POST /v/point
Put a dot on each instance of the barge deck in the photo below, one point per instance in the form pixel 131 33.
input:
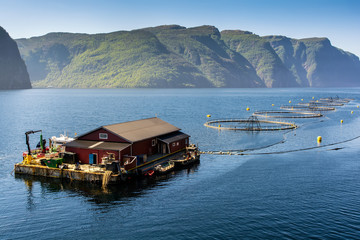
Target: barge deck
pixel 93 173
pixel 71 174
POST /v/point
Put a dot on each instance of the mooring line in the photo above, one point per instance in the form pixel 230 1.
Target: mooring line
pixel 280 152
pixel 253 149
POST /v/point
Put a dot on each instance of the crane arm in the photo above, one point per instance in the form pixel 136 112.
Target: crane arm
pixel 27 139
pixel 31 132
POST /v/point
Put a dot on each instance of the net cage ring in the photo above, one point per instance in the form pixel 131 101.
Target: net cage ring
pixel 336 100
pixel 250 124
pixel 307 108
pixel 287 114
pixel 322 103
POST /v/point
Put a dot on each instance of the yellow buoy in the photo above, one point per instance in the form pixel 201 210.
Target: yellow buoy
pixel 247 109
pixel 341 121
pixel 352 112
pixel 272 105
pixel 317 100
pixel 313 97
pixel 302 99
pixel 357 106
pixel 208 115
pixel 319 138
pixel 289 101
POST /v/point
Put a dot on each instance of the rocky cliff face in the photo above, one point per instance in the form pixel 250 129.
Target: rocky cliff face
pixel 262 56
pixel 284 62
pixel 316 63
pixel 13 72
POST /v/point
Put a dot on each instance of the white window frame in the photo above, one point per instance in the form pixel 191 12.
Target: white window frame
pixel 153 142
pixel 103 136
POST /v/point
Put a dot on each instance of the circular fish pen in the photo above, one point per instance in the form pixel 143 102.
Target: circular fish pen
pixel 250 124
pixel 286 114
pixel 321 103
pixel 336 99
pixel 307 108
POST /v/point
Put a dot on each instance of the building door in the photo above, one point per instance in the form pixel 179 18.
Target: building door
pixel 92 158
pixel 163 148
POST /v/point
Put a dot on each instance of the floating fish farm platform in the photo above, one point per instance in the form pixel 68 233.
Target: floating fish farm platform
pixel 111 153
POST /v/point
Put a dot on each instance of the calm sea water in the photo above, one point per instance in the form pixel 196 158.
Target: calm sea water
pixel 266 194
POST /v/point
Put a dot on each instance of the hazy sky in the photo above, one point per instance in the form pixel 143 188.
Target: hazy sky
pixel 339 20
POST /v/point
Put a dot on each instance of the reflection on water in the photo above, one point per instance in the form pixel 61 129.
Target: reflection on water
pixel 29 185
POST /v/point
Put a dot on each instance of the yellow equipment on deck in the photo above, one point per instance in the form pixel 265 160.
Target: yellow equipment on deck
pixel 28 159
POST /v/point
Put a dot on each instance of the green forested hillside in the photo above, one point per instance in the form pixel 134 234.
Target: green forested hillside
pixel 204 49
pixel 121 59
pixel 175 56
pixel 157 57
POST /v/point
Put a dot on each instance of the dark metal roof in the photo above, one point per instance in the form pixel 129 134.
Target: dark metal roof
pixel 142 129
pixel 173 137
pixel 97 145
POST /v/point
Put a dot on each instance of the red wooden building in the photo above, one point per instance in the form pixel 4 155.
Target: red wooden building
pixel 140 138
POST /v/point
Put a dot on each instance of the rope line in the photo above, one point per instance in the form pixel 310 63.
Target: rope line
pixel 240 152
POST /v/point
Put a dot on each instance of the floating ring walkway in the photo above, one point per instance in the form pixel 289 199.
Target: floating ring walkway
pixel 286 114
pixel 250 124
pixel 337 100
pixel 307 108
pixel 322 103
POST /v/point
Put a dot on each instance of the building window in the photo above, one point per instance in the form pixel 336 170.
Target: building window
pixel 173 144
pixel 185 141
pixel 177 143
pixel 153 142
pixel 103 136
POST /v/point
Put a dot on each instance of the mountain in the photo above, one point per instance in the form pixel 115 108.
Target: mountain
pixel 175 56
pixel 262 56
pixel 13 73
pixel 204 49
pixel 157 57
pixel 316 63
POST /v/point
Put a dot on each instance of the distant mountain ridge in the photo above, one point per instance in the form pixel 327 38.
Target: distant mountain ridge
pixel 316 63
pixel 173 56
pixel 262 56
pixel 13 73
